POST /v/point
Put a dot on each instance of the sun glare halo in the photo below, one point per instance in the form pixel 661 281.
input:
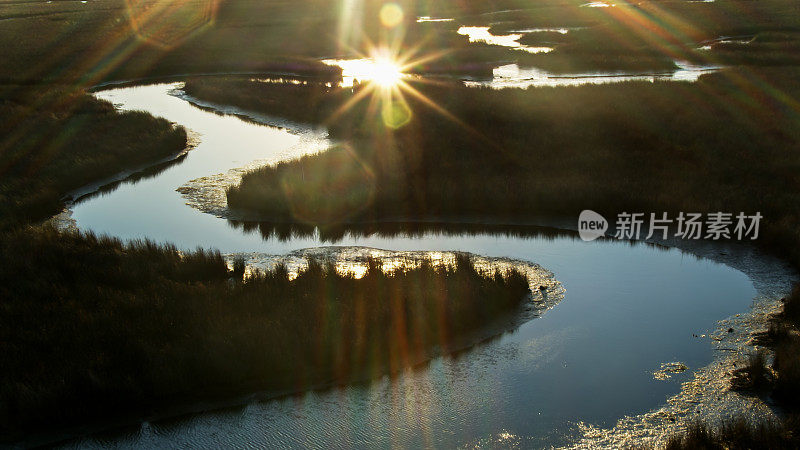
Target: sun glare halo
pixel 381 70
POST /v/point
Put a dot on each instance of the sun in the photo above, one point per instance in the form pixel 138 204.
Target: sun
pixel 382 77
pixel 385 72
pixel 379 69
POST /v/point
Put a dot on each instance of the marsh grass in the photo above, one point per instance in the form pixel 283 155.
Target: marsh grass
pixel 787 348
pixel 335 233
pixel 791 307
pixel 97 42
pixel 735 434
pixel 755 376
pixel 54 140
pixel 239 267
pixel 106 327
pixel 777 332
pixel 787 366
pixel 715 145
pixel 92 326
pixel 782 381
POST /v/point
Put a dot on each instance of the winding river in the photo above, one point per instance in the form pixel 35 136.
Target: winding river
pixel 591 361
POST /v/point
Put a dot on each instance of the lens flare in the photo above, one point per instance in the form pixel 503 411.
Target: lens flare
pixel 386 72
pixel 391 15
pixel 381 70
pixel 167 23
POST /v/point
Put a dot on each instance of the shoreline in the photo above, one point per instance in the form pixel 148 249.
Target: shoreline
pixel 707 394
pixel 63 220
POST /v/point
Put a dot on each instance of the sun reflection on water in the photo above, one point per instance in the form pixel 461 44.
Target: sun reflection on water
pixel 380 78
pixel 379 69
pixel 546 290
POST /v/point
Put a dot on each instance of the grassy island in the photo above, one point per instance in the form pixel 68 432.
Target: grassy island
pixel 107 328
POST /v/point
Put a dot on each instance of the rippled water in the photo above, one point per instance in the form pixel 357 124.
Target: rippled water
pixel 629 315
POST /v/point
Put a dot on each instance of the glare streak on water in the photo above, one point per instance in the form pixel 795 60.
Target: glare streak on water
pixel 513 76
pixel 381 71
pixel 482 34
pixel 544 30
pixel 423 19
pixel 627 310
pixel 740 40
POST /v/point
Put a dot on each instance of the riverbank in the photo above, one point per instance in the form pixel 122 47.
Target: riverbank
pixel 771 371
pixel 708 398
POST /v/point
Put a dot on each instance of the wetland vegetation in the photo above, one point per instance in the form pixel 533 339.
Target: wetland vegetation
pixel 106 40
pixel 54 141
pixel 91 327
pixel 94 328
pixel 737 434
pixel 709 146
pixel 107 328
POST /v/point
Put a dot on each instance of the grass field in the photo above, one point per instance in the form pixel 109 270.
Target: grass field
pixel 70 41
